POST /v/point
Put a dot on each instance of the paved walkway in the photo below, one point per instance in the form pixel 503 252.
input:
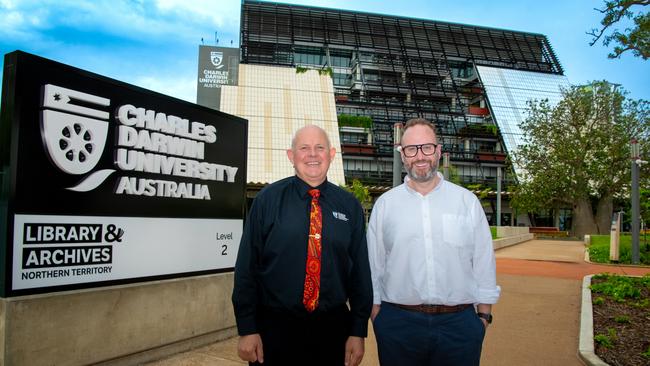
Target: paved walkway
pixel 536 321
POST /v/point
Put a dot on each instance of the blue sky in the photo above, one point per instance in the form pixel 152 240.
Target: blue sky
pixel 154 44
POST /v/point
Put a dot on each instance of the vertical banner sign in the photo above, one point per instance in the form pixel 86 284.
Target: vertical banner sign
pixel 106 183
pixel 218 66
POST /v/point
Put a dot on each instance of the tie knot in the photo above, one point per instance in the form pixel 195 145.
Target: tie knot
pixel 315 193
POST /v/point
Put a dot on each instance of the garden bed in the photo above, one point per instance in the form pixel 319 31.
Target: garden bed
pixel 621 317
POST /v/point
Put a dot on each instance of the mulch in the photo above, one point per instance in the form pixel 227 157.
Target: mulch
pixel 631 338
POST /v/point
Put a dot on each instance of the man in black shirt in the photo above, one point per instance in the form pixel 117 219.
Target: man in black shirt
pixel 295 274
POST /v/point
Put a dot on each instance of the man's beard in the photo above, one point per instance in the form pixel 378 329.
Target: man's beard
pixel 427 177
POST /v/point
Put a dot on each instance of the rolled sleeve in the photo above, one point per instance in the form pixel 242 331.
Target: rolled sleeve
pixel 484 260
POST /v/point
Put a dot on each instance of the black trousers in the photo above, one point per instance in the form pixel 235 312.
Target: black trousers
pixel 304 339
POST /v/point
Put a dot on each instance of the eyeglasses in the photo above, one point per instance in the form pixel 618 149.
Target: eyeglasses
pixel 412 150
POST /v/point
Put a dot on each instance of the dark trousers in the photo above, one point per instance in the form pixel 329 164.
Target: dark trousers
pixel 304 339
pixel 410 338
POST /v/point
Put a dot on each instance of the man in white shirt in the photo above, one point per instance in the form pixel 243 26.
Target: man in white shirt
pixel 432 263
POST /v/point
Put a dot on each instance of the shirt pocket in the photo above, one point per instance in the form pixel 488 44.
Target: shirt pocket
pixel 456 230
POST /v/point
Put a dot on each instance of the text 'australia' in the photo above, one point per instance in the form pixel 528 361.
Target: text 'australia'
pixel 156 143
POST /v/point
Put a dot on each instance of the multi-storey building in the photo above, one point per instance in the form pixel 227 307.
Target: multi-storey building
pixel 472 81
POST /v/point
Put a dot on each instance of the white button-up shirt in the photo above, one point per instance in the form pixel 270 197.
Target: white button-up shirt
pixel 431 249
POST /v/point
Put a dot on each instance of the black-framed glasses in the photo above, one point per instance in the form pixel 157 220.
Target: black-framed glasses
pixel 412 150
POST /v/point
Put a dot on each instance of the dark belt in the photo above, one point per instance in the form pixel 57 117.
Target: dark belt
pixel 433 309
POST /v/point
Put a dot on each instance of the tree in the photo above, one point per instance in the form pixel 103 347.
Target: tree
pixel 360 192
pixel 636 39
pixel 576 154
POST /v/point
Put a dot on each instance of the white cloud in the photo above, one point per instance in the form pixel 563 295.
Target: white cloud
pixel 181 87
pixel 219 13
pixel 165 21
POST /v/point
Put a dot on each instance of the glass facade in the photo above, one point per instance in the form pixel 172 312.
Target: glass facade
pixel 508 92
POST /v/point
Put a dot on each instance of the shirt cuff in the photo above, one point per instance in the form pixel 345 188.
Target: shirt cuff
pixel 359 328
pixel 246 325
pixel 489 296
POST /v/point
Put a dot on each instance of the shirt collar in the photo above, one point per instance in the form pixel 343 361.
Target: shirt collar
pixel 413 191
pixel 303 188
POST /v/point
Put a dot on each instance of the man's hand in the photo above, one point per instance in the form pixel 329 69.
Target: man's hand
pixel 374 312
pixel 354 351
pixel 250 348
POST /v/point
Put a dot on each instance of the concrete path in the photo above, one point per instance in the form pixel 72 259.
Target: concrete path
pixel 536 321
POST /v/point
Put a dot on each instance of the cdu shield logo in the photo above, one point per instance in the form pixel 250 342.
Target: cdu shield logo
pixel 216 57
pixel 74 133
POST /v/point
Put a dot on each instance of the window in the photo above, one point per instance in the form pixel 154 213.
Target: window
pixel 309 56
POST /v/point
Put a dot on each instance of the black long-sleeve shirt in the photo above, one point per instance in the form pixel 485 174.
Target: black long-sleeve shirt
pixel 270 267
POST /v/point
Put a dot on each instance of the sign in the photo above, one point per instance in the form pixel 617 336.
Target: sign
pixel 109 183
pixel 218 66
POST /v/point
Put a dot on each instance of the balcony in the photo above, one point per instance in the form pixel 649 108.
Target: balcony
pixel 495 157
pixel 371 178
pixel 479 130
pixel 478 111
pixel 357 149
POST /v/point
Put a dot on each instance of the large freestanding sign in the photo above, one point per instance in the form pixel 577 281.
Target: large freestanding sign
pixel 105 183
pixel 218 66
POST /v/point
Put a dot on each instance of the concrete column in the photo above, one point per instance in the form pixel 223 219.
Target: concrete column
pixel 397 159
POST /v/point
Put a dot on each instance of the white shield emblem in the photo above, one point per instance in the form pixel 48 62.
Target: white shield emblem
pixel 74 143
pixel 216 57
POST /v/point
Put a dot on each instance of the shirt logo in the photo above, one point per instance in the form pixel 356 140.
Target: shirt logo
pixel 340 216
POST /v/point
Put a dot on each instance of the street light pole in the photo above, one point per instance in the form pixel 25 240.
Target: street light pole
pixel 634 155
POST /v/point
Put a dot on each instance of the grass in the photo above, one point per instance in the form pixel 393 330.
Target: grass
pixel 599 249
pixel 493 230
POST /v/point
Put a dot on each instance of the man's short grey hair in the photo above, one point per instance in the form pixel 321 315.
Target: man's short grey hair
pixel 295 135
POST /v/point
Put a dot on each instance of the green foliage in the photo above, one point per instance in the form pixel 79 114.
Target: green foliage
pixel 619 288
pixel 326 71
pixel 482 128
pixel 603 340
pixel 360 192
pixel 611 334
pixel 454 176
pixel 622 319
pixel 493 231
pixel 598 301
pixel 323 71
pixel 646 353
pixel 635 39
pixel 644 200
pixel 599 250
pixel 577 152
pixel 354 121
pixel 480 190
pixel 644 303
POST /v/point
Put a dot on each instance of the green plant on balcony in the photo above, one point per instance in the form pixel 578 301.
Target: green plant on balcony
pixel 322 71
pixel 326 71
pixel 346 120
pixel 480 129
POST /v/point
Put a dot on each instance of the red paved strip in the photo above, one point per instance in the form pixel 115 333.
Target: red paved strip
pixel 566 270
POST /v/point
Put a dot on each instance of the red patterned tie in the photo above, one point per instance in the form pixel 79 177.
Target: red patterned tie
pixel 312 277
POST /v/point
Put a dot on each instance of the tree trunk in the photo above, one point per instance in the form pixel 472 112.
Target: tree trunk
pixel 604 211
pixel 583 219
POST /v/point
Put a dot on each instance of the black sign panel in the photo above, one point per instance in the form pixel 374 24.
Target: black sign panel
pixel 83 154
